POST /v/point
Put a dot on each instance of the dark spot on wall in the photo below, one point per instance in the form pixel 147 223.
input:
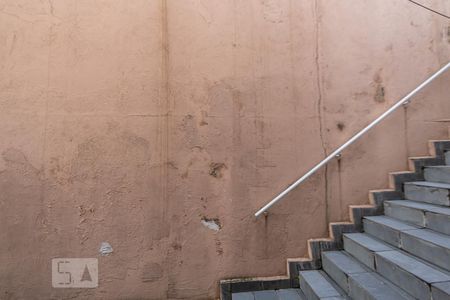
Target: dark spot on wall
pixel 340 126
pixel 380 94
pixel 215 169
pixel 448 34
pixel 380 91
pixel 176 246
pixel 219 249
pixel 204 201
pixel 204 116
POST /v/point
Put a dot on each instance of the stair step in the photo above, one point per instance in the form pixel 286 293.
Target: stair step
pixel 373 286
pixel 363 247
pixel 409 273
pixel 430 192
pixel 426 244
pixel 437 174
pixel 290 294
pixel 440 291
pixel 317 285
pixel 431 216
pixel 284 294
pixel 339 266
pixel 386 229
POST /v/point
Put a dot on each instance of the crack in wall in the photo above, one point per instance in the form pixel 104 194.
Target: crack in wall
pixel 320 100
pixel 164 120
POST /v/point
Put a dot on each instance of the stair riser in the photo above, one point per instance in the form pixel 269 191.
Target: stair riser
pixel 431 220
pixel 403 279
pixel 431 195
pixel 307 291
pixel 316 287
pixel 437 222
pixel 335 273
pixel 437 175
pixel 383 233
pixel 357 291
pixel 406 214
pixel 362 254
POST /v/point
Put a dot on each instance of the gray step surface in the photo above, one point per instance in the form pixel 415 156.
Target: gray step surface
pixel 440 291
pixel 405 271
pixel 363 247
pixel 429 192
pixel 372 286
pixel 409 273
pixel 426 244
pixel 317 285
pixel 386 229
pixel 339 265
pixel 285 294
pixel 437 174
pixel 427 215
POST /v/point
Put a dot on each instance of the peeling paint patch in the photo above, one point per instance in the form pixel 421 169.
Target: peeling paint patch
pixel 105 249
pixel 213 224
pixel 215 169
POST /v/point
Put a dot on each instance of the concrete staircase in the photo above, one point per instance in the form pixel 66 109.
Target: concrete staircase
pixel 402 252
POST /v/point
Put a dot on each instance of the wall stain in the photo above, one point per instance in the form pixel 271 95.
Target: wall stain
pixel 380 91
pixel 151 272
pixel 215 169
pixel 448 34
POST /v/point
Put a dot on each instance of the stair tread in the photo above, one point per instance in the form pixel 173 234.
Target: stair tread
pixel 393 223
pixel 438 167
pixel 378 287
pixel 431 236
pixel 412 265
pixel 369 242
pixel 422 206
pixel 283 294
pixel 345 262
pixel 243 296
pixel 321 284
pixel 431 184
pixel 290 294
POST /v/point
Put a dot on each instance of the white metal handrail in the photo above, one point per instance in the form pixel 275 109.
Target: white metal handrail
pixel 338 151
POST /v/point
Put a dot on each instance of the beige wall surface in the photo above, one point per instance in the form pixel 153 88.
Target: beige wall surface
pixel 160 127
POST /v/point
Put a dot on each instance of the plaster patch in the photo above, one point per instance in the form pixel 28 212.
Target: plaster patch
pixel 105 248
pixel 213 224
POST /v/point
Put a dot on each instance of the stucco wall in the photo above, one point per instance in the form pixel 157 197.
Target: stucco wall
pixel 140 122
